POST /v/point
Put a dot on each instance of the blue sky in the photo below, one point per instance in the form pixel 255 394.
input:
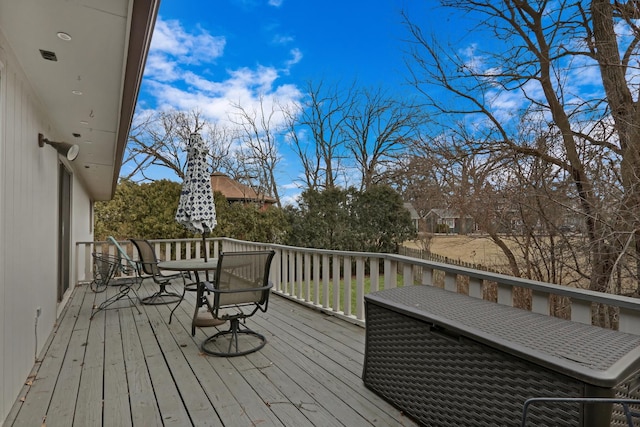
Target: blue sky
pixel 206 54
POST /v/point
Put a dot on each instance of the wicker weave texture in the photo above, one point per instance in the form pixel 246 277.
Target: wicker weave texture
pixel 535 337
pixel 442 381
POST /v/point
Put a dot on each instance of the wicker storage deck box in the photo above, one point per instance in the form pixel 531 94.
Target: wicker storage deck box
pixel 448 359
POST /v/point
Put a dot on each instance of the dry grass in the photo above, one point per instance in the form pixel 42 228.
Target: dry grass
pixel 472 249
pixel 482 250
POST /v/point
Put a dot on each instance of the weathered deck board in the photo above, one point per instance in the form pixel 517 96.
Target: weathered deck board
pixel 122 368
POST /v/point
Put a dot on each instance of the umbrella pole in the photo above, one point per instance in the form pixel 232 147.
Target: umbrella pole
pixel 204 245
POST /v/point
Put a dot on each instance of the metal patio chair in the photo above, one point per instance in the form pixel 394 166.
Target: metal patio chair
pixel 241 289
pixel 628 413
pixel 148 263
pixel 106 267
pixel 128 268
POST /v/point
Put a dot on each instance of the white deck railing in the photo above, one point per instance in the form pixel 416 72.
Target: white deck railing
pixel 315 278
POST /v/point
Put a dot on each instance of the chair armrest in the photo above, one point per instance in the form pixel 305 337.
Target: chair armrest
pixel 237 291
pixel 209 286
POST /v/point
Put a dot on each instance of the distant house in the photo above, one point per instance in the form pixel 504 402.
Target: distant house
pixel 415 217
pixel 446 221
pixel 236 192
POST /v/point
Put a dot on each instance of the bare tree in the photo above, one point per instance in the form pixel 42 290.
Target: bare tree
pixel 541 48
pixel 317 133
pixel 258 153
pixel 160 139
pixel 219 139
pixel 377 131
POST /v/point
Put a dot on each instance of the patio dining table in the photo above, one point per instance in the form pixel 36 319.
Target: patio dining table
pixel 195 266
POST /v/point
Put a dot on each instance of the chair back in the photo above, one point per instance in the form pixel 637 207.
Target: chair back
pixel 243 278
pixel 122 254
pixel 127 265
pixel 148 260
pixel 105 266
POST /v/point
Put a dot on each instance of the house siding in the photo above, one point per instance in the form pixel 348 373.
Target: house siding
pixel 28 228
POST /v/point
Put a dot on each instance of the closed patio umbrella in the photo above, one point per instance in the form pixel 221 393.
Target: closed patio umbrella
pixel 196 208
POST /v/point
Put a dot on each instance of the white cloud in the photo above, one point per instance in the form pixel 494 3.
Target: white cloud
pixel 172 45
pixel 282 39
pixel 296 56
pixel 276 3
pixel 214 99
pixel 159 67
pixel 176 81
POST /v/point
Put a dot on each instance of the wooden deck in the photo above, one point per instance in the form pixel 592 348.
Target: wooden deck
pixel 123 368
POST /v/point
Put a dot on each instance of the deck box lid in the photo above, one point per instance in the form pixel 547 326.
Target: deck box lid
pixel 594 355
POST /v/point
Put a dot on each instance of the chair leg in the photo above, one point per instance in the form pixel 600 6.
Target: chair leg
pixel 233 333
pixel 123 292
pixel 162 297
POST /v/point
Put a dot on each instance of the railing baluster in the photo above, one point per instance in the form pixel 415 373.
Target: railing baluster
pixel 540 302
pixel 286 270
pixel 325 281
pixel 360 263
pixel 316 279
pixel 307 277
pixel 390 274
pixel 427 276
pixel 374 267
pixel 475 287
pixel 276 268
pixel 450 282
pixel 307 274
pixel 407 274
pixel 347 286
pixel 336 283
pixel 299 277
pixel 581 311
pixel 505 294
pixel 628 321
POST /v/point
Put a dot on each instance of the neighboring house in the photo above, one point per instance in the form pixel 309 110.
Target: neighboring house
pixel 71 71
pixel 236 192
pixel 415 218
pixel 440 219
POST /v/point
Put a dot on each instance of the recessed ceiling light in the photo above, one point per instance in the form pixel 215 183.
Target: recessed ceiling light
pixel 63 36
pixel 76 92
pixel 84 122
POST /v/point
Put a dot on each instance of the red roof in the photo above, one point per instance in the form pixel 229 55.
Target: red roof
pixel 233 190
